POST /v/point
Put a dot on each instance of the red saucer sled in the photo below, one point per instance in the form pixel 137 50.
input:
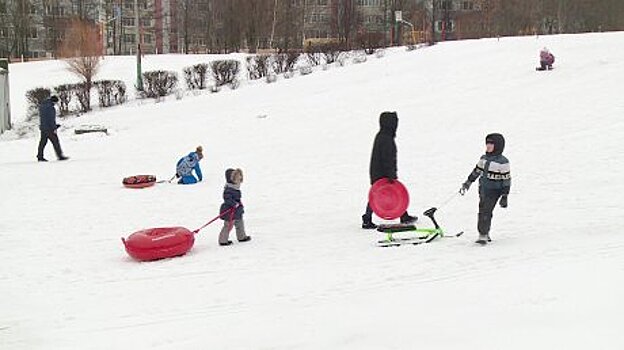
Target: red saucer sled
pixel 164 242
pixel 139 181
pixel 389 200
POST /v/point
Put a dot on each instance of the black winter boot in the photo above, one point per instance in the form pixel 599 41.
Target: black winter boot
pixel 367 223
pixel 408 219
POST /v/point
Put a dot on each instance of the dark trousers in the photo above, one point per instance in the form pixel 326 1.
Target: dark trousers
pixel 53 137
pixel 544 66
pixel 487 202
pixel 368 215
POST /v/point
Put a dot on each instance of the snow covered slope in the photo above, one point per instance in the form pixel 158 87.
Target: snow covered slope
pixel 311 279
pixel 49 74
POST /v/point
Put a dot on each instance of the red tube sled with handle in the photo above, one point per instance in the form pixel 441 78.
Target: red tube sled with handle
pixel 159 243
pixel 139 181
pixel 165 242
pixel 388 199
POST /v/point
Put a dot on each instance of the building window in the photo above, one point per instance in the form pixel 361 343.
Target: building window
pixel 129 38
pixel 445 5
pixel 55 10
pixel 3 7
pixel 146 22
pixel 147 38
pixel 322 2
pixel 33 33
pixel 3 32
pixel 467 5
pixel 129 4
pixel 449 27
pixel 128 21
pixel 369 3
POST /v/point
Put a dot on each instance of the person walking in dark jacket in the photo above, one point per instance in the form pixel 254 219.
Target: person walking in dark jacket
pixel 48 127
pixel 383 162
pixel 494 174
pixel 232 202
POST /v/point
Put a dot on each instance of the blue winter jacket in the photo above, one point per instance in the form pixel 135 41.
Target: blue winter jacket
pixel 232 197
pixel 47 116
pixel 186 165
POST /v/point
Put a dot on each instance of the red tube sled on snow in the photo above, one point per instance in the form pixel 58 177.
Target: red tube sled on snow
pixel 139 181
pixel 165 242
pixel 159 243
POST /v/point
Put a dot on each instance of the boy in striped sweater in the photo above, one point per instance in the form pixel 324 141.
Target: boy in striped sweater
pixel 494 174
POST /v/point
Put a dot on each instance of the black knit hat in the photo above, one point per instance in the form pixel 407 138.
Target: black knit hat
pixel 54 99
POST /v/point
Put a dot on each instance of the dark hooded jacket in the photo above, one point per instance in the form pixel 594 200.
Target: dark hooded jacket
pixel 231 197
pixel 493 169
pixel 384 156
pixel 47 116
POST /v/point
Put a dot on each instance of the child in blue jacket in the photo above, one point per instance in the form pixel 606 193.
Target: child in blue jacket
pixel 232 201
pixel 188 164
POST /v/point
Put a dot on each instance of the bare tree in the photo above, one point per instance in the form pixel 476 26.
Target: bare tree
pixel 289 25
pixel 82 51
pixel 258 24
pixel 345 20
pixel 19 28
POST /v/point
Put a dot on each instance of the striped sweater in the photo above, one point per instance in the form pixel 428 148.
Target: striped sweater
pixel 494 174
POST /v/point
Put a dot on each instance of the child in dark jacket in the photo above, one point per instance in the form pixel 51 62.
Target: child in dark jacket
pixel 232 202
pixel 494 172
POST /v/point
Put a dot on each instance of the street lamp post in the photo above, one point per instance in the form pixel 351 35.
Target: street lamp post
pixel 139 82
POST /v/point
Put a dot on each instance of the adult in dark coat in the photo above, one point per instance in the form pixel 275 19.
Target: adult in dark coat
pixel 383 162
pixel 48 126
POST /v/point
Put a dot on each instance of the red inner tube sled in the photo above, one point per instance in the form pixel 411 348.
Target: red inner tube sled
pixel 139 181
pixel 159 243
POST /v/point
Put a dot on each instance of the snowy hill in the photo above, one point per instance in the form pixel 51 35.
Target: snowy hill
pixel 49 74
pixel 311 278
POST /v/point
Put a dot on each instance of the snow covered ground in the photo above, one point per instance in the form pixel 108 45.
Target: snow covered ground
pixel 311 279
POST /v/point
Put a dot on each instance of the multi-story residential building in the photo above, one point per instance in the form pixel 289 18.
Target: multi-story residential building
pixel 34 29
pixel 459 19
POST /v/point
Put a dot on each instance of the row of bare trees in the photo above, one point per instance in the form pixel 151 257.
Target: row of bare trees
pixel 232 25
pixel 513 17
pixel 45 21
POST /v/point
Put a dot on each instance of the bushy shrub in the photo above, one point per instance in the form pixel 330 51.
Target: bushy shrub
pixel 82 91
pixel 110 92
pixel 195 76
pixel 285 62
pixel 258 66
pixel 159 83
pixel 35 97
pixel 64 93
pixel 225 72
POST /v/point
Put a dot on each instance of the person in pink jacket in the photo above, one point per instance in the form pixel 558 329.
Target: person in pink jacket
pixel 547 60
